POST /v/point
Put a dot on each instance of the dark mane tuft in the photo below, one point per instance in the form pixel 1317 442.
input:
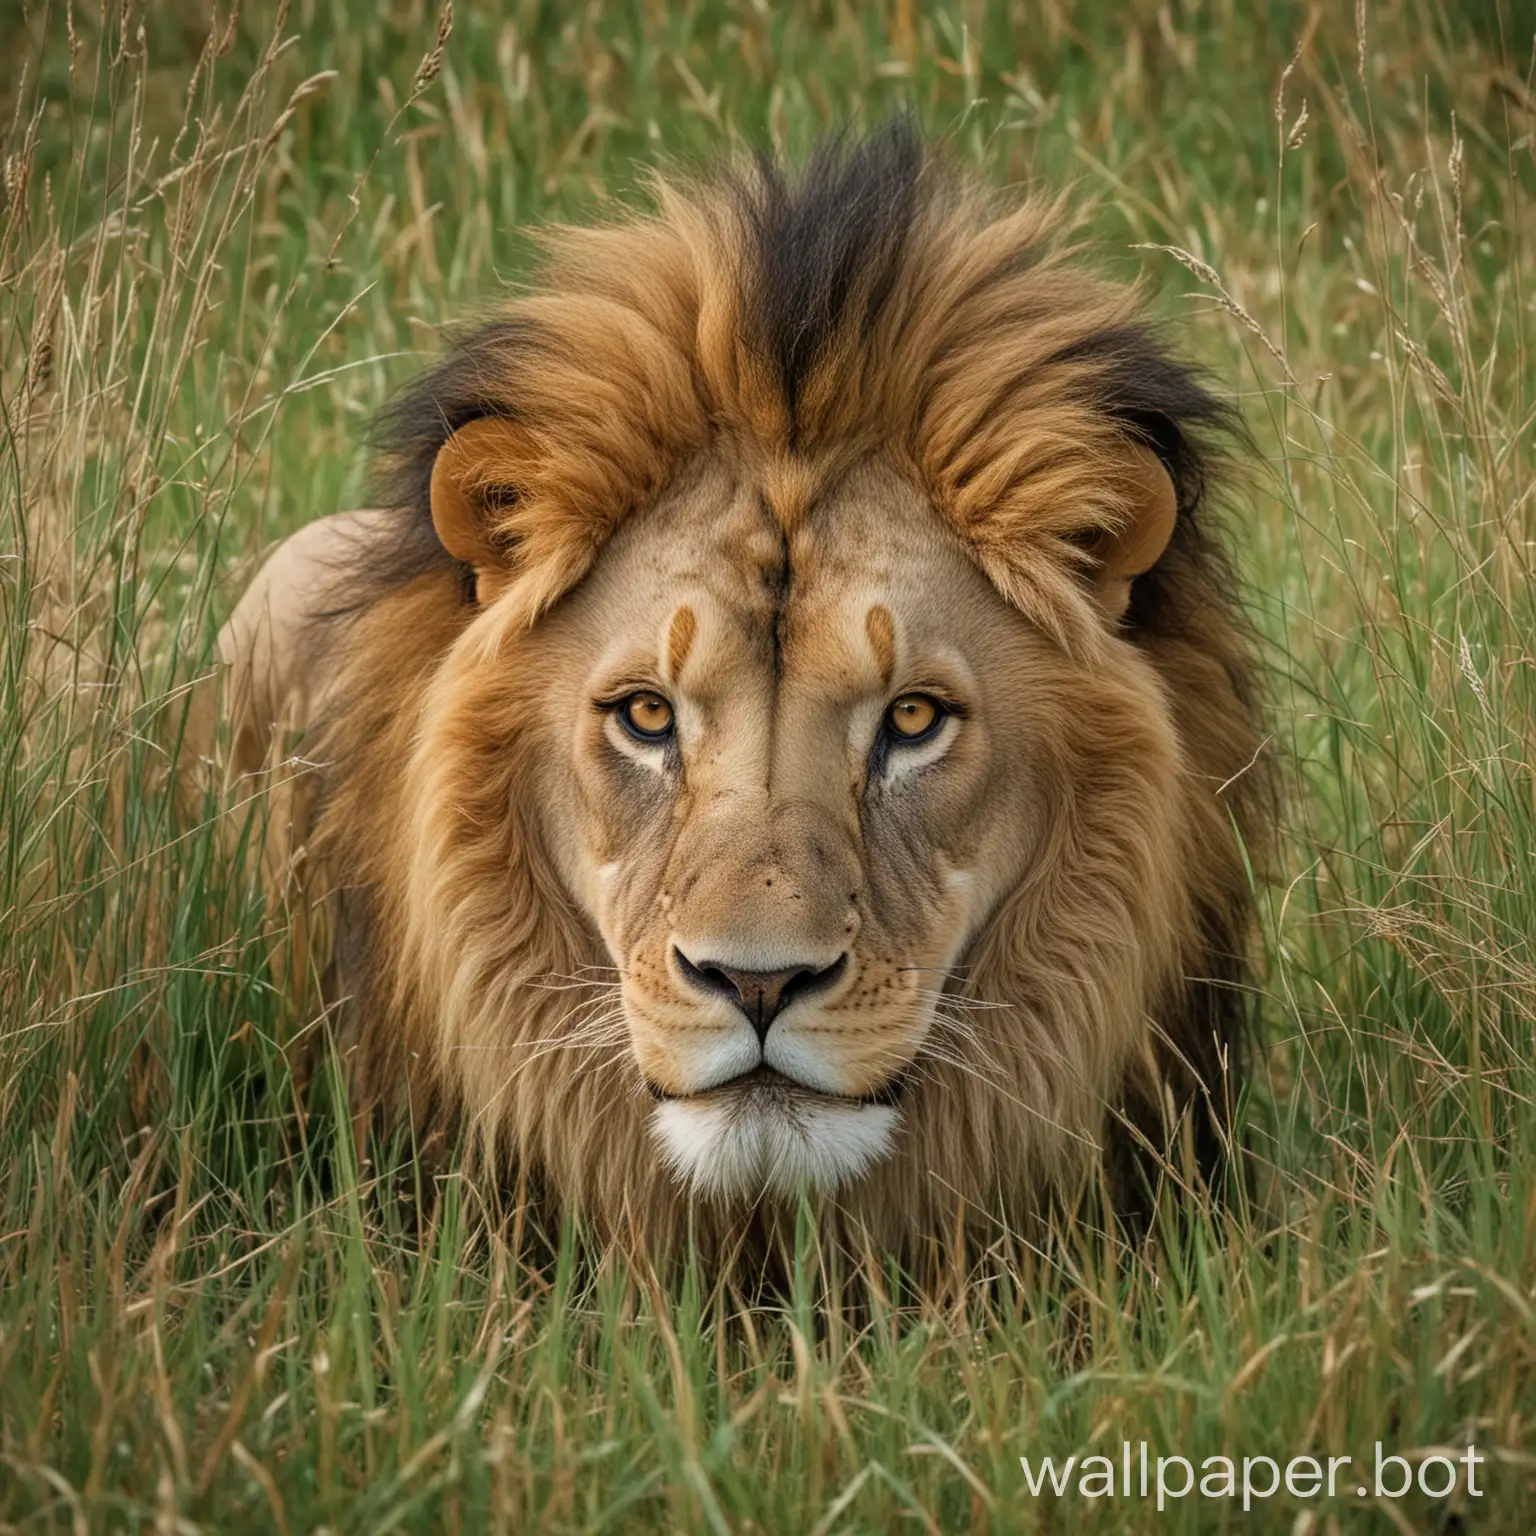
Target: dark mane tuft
pixel 832 237
pixel 467 382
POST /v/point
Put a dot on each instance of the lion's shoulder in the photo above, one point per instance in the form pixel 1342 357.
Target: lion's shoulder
pixel 269 648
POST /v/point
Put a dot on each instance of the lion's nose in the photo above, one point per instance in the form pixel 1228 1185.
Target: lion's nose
pixel 761 995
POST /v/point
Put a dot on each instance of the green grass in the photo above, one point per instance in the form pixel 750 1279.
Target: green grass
pixel 212 272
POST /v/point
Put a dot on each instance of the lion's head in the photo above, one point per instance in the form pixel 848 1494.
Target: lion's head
pixel 795 736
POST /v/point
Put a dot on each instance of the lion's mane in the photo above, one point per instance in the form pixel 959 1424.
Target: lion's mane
pixel 877 301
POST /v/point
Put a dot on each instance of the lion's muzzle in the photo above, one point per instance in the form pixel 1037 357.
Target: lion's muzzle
pixel 783 1120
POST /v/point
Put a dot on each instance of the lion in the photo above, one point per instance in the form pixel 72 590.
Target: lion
pixel 788 730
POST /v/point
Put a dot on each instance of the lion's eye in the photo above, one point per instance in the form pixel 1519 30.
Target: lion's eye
pixel 646 716
pixel 914 717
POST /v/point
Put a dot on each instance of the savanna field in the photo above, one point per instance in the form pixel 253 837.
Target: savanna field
pixel 224 239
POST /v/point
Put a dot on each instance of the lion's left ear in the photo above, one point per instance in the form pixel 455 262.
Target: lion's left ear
pixel 1135 548
pixel 475 476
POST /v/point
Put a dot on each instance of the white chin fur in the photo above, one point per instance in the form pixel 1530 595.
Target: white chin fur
pixel 748 1144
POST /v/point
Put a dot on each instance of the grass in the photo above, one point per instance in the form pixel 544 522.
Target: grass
pixel 223 238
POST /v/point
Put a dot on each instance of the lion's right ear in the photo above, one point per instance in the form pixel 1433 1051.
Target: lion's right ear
pixel 476 475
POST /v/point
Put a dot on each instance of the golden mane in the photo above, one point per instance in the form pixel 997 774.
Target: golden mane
pixel 881 300
pixel 878 302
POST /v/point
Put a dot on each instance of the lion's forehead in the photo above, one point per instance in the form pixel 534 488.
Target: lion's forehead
pixel 722 590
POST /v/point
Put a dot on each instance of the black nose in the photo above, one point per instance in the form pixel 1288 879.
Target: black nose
pixel 761 995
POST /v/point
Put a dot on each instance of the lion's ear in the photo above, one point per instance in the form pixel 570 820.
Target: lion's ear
pixel 476 473
pixel 1136 547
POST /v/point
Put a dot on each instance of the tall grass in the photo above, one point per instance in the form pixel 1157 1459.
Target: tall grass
pixel 223 237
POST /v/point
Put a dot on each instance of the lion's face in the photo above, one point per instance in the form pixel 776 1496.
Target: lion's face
pixel 787 774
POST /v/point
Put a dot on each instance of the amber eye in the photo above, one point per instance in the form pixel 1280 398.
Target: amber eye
pixel 646 716
pixel 914 717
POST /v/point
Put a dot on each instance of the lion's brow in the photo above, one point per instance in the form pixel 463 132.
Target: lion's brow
pixel 680 637
pixel 881 631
